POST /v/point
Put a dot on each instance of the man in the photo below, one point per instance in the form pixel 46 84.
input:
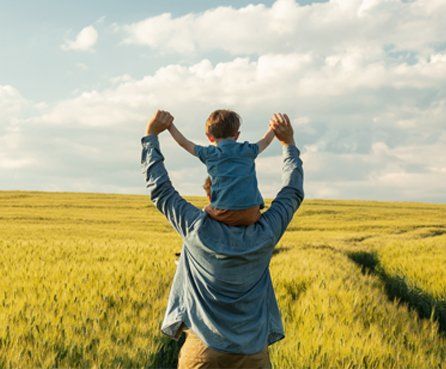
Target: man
pixel 222 295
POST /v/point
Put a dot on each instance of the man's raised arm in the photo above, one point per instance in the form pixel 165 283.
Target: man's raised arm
pixel 180 213
pixel 290 197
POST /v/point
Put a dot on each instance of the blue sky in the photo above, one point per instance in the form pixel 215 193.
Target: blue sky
pixel 365 89
pixel 33 36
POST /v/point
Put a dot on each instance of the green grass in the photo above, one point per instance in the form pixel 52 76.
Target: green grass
pixel 85 281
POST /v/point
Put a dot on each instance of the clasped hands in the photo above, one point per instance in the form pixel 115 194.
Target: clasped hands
pixel 279 123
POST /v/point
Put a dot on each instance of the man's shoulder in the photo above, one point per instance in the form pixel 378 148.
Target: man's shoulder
pixel 219 236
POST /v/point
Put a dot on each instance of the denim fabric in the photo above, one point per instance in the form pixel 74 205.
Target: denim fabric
pixel 222 286
pixel 231 167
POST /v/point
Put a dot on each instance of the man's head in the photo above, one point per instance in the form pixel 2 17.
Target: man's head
pixel 221 124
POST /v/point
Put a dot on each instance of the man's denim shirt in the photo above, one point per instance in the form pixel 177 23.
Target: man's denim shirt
pixel 222 287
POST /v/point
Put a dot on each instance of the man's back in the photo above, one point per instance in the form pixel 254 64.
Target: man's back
pixel 222 289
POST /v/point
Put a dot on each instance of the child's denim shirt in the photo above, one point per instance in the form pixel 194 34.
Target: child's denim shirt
pixel 231 167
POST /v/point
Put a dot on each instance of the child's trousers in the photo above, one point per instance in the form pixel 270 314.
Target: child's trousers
pixel 194 354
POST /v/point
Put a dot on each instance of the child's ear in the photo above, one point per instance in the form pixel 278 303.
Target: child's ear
pixel 237 135
pixel 210 137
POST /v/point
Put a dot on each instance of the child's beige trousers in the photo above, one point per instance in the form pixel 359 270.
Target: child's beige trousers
pixel 194 354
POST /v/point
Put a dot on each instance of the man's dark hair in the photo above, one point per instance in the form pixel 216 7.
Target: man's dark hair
pixel 223 123
pixel 207 186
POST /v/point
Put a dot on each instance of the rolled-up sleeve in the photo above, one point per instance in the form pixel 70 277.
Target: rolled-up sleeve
pixel 180 213
pixel 291 195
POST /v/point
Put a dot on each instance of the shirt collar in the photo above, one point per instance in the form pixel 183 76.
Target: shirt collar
pixel 226 141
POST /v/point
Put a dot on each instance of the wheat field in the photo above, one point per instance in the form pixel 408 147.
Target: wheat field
pixel 85 279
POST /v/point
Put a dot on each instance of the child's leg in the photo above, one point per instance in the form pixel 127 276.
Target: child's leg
pixel 243 217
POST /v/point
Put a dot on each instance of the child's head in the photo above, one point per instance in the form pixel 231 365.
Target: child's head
pixel 221 124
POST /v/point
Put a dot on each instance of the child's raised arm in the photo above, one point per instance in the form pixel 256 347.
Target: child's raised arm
pixel 266 140
pixel 181 140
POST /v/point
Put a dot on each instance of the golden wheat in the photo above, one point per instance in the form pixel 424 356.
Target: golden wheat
pixel 85 280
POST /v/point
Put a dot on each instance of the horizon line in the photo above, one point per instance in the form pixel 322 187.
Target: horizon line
pixel 202 196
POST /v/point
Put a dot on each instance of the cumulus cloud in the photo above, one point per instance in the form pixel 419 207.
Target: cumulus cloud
pixel 353 137
pixel 287 26
pixel 85 40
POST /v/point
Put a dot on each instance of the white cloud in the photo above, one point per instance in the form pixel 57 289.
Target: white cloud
pixel 247 84
pixel 10 163
pixel 85 40
pixel 287 26
pixel 407 172
pixel 12 109
pixel 351 134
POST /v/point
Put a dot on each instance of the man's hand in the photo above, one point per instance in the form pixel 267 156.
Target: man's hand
pixel 159 122
pixel 281 125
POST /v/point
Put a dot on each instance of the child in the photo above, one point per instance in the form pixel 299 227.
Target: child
pixel 234 197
